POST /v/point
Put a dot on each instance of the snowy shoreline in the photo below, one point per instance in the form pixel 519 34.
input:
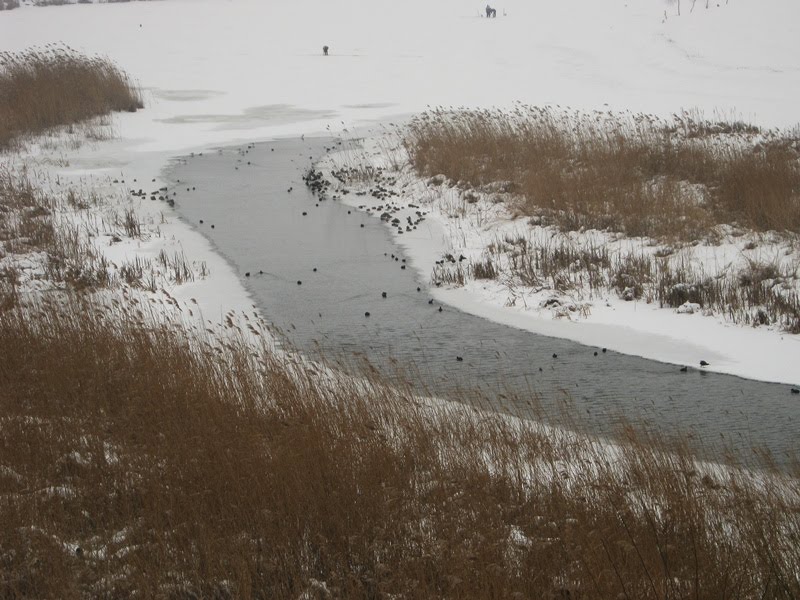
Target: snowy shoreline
pixel 637 328
pixel 634 328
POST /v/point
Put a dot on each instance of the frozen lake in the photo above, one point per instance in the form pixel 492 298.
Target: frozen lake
pixel 314 276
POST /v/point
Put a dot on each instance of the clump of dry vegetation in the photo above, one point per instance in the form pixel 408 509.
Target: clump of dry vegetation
pixel 9 4
pixel 51 241
pixel 761 293
pixel 617 202
pixel 30 226
pixel 138 458
pixel 635 174
pixel 54 86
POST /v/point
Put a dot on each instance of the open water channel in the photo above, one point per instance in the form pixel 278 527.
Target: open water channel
pixel 315 276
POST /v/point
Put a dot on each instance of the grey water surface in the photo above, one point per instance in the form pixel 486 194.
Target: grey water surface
pixel 259 227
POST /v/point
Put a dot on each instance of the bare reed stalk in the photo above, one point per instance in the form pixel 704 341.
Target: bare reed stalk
pixel 50 231
pixel 55 85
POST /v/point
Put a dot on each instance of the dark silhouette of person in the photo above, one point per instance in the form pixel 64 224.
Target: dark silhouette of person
pixel 325 50
pixel 490 12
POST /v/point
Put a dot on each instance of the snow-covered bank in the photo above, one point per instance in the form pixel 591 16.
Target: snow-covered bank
pixel 147 246
pixel 432 221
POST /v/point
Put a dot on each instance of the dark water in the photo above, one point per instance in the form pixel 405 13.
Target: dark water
pixel 259 226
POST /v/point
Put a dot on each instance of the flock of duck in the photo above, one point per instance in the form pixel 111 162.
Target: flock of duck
pixel 322 188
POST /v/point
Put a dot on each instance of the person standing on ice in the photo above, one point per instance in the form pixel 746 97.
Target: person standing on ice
pixel 490 12
pixel 325 50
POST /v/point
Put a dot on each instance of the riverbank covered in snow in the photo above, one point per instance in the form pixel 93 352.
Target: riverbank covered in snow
pixel 450 230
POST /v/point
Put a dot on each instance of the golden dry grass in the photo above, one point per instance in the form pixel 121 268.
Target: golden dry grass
pixel 44 88
pixel 636 174
pixel 140 460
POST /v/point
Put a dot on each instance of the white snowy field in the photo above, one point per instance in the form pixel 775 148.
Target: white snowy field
pixel 217 73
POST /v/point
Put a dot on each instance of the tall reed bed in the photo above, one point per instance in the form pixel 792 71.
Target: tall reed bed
pixel 139 459
pixel 635 174
pixel 42 88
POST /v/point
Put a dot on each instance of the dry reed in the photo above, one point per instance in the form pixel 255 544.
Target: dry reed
pixel 55 85
pixel 761 293
pixel 635 174
pixel 138 459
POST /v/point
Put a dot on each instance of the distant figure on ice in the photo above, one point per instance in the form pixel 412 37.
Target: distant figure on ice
pixel 490 12
pixel 325 50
